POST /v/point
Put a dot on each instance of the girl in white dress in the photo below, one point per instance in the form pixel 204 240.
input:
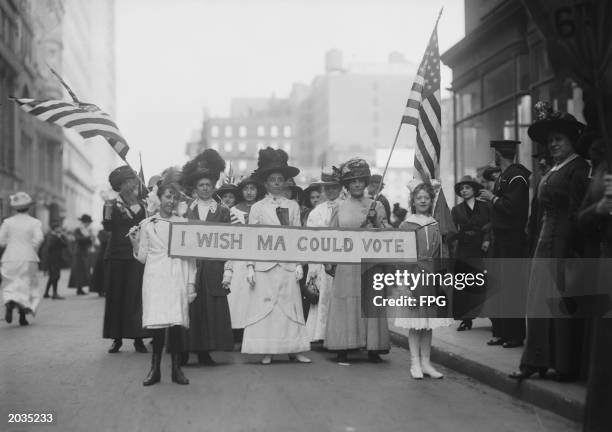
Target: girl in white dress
pixel 419 320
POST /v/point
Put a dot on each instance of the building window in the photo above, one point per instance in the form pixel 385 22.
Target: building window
pixel 242 145
pixel 242 165
pixel 261 131
pixel 499 83
pixel 274 131
pixel 467 100
pixel 227 147
pixel 214 131
pixel 242 131
pixel 473 136
pixel 228 131
pixel 287 131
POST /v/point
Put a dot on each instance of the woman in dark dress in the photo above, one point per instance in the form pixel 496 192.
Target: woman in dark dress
pixel 97 277
pixel 210 327
pixel 55 243
pixel 79 271
pixel 122 272
pixel 555 343
pixel 473 221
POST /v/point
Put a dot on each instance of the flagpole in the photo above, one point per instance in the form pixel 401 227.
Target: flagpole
pixel 399 128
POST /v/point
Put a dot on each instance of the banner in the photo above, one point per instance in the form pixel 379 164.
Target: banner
pixel 196 239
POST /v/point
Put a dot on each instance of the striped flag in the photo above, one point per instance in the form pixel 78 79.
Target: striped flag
pixel 87 119
pixel 423 111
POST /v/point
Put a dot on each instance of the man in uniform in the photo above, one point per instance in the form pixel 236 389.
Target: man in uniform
pixel 510 203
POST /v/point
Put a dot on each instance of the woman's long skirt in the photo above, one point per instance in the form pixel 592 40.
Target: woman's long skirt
pixel 276 332
pixel 210 325
pixel 346 328
pixel 239 297
pixel 20 284
pixel 123 308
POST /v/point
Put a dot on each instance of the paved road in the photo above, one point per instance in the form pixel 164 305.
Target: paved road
pixel 59 364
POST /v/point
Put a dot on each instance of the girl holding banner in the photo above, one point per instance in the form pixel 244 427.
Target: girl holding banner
pixel 275 321
pixel 167 286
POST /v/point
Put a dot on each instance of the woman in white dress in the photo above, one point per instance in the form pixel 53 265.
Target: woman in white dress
pixel 421 320
pixel 22 235
pixel 275 322
pixel 320 275
pixel 249 192
pixel 167 286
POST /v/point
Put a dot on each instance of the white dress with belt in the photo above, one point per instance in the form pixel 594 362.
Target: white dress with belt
pixel 275 320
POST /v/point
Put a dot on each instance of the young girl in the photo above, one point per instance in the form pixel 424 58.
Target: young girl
pixel 418 319
pixel 167 286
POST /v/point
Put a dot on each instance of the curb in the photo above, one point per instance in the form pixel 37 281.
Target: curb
pixel 526 390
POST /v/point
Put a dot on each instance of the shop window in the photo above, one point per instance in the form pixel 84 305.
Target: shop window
pixel 474 136
pixel 499 83
pixel 468 100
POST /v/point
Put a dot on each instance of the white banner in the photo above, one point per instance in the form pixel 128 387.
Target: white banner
pixel 196 239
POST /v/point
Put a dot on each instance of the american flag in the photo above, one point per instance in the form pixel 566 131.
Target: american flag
pixel 87 119
pixel 423 111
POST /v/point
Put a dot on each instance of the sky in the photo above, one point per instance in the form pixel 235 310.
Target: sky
pixel 177 58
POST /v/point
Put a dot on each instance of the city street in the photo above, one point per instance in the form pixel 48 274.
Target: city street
pixel 59 365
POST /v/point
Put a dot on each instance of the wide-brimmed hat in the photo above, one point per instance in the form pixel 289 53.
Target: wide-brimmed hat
pixel 85 218
pixel 274 160
pixel 229 188
pixel 356 168
pixel 119 175
pixel 488 172
pixel 548 120
pixel 208 164
pixel 468 180
pixel 331 177
pixel 20 200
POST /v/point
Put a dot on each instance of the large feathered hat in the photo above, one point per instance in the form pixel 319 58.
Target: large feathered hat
pixel 208 164
pixel 271 160
pixel 330 178
pixel 548 120
pixel 354 169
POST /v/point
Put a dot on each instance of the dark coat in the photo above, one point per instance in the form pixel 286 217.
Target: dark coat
pixel 556 342
pixel 511 208
pixel 473 228
pixel 53 258
pixel 80 274
pixel 122 277
pixel 210 326
pixel 598 230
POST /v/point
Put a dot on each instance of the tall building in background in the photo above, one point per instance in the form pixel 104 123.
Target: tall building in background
pixel 349 110
pixel 30 150
pixel 88 66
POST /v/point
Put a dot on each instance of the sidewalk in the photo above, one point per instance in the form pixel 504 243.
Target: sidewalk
pixel 467 353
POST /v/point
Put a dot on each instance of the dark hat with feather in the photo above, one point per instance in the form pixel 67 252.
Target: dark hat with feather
pixel 208 164
pixel 354 169
pixel 548 120
pixel 270 161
